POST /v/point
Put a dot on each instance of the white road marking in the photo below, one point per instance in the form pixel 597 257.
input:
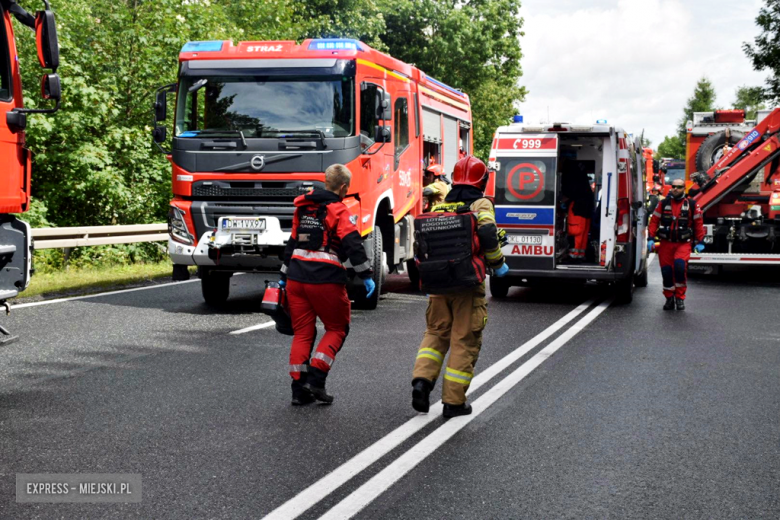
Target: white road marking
pixel 255 327
pixel 382 481
pixel 310 496
pixel 60 300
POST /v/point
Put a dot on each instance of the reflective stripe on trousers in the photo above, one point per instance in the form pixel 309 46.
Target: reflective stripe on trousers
pixel 457 376
pixel 323 357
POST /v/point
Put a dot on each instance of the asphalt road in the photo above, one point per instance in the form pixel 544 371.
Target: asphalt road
pixel 583 409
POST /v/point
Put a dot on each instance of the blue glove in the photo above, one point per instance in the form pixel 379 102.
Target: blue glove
pixel 282 283
pixel 699 247
pixel 650 245
pixel 501 271
pixel 370 286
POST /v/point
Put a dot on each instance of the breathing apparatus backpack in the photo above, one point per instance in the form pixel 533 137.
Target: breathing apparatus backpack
pixel 312 229
pixel 447 250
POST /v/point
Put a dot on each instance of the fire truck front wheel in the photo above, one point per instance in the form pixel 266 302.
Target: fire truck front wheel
pixel 711 149
pixel 215 286
pixel 377 264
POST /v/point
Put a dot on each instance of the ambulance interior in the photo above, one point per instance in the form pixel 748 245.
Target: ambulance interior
pixel 579 181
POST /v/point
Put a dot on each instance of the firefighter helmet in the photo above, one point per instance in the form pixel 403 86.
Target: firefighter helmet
pixel 470 171
pixel 437 170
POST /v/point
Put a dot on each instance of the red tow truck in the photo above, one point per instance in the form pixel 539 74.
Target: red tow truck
pixel 739 191
pixel 15 159
pixel 258 123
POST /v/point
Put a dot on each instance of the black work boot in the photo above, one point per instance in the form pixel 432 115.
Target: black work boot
pixel 456 410
pixel 421 392
pixel 300 395
pixel 315 383
pixel 680 304
pixel 669 305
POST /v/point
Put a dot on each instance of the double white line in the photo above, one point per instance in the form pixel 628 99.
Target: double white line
pixel 378 484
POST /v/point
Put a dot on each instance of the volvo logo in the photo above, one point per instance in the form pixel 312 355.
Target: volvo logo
pixel 257 162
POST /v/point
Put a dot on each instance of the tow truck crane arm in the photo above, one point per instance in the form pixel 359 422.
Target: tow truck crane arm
pixel 742 163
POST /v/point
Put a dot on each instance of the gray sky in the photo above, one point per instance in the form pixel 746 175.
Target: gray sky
pixel 632 62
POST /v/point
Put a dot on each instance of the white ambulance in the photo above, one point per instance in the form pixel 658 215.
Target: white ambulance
pixel 539 172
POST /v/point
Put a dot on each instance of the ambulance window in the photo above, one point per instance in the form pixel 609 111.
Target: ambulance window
pixel 369 119
pixel 526 181
pixel 5 63
pixel 401 120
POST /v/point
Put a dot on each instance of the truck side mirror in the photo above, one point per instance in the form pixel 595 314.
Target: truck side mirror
pixel 159 134
pixel 382 134
pixel 161 106
pixel 383 109
pixel 50 87
pixel 46 39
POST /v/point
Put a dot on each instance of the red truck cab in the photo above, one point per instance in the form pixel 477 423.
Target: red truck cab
pixel 256 125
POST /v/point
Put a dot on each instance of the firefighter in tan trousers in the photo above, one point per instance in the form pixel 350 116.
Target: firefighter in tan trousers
pixel 456 315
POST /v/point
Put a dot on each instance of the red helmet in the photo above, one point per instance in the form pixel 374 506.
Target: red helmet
pixel 469 170
pixel 436 170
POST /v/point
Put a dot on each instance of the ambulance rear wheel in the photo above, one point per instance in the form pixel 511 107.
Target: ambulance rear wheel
pixel 215 287
pixel 641 279
pixel 625 290
pixel 377 265
pixel 499 288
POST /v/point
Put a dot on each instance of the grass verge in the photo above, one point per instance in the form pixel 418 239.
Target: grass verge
pixel 73 282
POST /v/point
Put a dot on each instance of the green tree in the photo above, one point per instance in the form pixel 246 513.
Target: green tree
pixel 765 51
pixel 702 100
pixel 750 99
pixel 670 147
pixel 94 162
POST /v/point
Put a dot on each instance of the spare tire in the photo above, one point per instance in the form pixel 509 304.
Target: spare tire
pixel 710 150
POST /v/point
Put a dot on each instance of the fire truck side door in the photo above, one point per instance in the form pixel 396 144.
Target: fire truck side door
pixel 406 181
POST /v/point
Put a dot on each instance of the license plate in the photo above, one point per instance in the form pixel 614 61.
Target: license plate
pixel 533 240
pixel 243 224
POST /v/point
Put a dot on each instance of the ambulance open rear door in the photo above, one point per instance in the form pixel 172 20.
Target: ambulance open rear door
pixel 526 199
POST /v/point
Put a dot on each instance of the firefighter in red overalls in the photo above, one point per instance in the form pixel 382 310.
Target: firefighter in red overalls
pixel 677 221
pixel 322 238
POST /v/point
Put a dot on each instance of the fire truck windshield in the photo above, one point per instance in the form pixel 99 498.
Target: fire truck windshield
pixel 266 106
pixel 674 174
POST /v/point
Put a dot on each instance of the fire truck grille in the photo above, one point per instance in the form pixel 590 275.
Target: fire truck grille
pixel 276 194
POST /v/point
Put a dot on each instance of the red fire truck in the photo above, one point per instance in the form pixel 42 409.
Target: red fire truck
pixel 652 174
pixel 256 125
pixel 737 185
pixel 15 234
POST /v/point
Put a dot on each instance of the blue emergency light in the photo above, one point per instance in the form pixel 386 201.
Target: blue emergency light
pixel 212 46
pixel 601 122
pixel 329 44
pixel 517 119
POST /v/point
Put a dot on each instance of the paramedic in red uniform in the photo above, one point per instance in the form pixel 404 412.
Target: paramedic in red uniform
pixel 677 221
pixel 322 238
pixel 578 195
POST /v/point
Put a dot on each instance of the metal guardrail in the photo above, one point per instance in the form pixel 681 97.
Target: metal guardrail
pixel 53 238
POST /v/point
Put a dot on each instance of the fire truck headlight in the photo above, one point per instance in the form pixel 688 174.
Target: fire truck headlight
pixel 177 227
